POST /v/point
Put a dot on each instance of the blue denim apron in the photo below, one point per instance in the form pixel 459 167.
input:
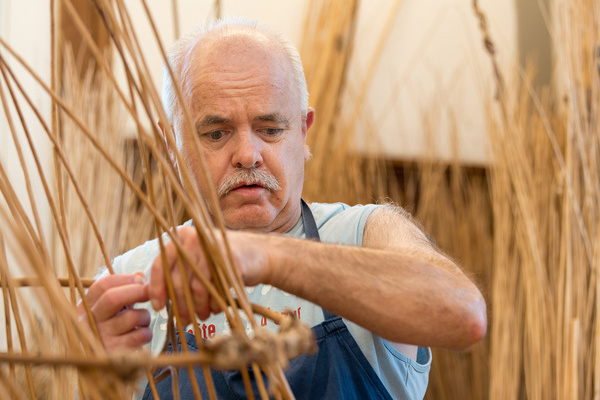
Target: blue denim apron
pixel 338 370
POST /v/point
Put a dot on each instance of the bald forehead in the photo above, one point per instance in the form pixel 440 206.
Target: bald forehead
pixel 232 49
pixel 230 54
pixel 234 40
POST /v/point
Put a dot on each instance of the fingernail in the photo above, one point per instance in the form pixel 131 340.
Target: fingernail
pixel 155 304
pixel 140 278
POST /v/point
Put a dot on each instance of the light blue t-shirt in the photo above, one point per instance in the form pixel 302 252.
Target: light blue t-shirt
pixel 337 223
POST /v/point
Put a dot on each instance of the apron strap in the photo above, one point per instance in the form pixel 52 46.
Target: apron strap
pixel 312 233
pixel 310 226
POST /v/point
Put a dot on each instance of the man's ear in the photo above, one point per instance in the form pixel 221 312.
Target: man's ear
pixel 310 118
pixel 169 149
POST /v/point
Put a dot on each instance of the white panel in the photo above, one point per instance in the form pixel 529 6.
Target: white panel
pixel 433 71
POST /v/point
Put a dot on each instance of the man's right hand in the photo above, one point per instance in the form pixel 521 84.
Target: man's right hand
pixel 111 300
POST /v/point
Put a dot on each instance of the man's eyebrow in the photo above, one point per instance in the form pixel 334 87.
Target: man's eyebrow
pixel 211 120
pixel 273 117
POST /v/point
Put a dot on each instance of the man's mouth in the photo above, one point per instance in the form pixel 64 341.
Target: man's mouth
pixel 248 179
pixel 248 185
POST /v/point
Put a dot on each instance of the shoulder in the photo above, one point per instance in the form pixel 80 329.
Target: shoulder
pixel 340 223
pixel 392 226
pixel 326 212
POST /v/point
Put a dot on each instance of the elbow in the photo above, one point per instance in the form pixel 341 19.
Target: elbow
pixel 478 327
pixel 475 323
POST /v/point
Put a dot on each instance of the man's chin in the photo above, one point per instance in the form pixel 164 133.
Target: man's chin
pixel 251 225
pixel 247 216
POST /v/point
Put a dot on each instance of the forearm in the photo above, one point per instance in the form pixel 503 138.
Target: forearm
pixel 415 298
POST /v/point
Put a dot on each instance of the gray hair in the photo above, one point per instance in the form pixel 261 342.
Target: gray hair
pixel 179 51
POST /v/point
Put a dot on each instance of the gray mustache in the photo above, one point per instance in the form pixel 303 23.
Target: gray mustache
pixel 249 176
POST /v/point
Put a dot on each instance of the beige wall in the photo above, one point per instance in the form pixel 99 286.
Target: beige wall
pixel 28 33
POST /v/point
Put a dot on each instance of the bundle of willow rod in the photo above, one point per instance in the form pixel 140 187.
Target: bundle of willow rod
pixel 545 185
pixel 540 271
pixel 25 257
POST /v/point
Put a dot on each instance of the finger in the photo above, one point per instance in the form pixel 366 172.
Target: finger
pixel 111 281
pixel 117 298
pixel 214 306
pixel 125 321
pixel 157 287
pixel 200 293
pixel 131 340
pixel 200 296
pixel 180 303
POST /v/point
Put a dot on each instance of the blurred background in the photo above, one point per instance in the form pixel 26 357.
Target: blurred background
pixel 480 118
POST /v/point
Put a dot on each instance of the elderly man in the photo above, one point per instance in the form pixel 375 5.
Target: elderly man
pixel 394 293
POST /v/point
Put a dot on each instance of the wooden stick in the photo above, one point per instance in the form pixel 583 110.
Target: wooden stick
pixel 36 281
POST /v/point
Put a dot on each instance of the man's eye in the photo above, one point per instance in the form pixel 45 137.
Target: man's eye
pixel 272 131
pixel 215 135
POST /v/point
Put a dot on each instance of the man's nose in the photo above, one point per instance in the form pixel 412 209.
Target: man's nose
pixel 248 151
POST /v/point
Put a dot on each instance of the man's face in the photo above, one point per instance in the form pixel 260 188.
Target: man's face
pixel 247 118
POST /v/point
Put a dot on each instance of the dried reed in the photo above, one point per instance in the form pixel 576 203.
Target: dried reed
pixel 545 199
pixel 98 181
pixel 527 228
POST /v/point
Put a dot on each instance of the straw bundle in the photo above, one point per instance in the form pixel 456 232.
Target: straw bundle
pixel 544 337
pixel 542 279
